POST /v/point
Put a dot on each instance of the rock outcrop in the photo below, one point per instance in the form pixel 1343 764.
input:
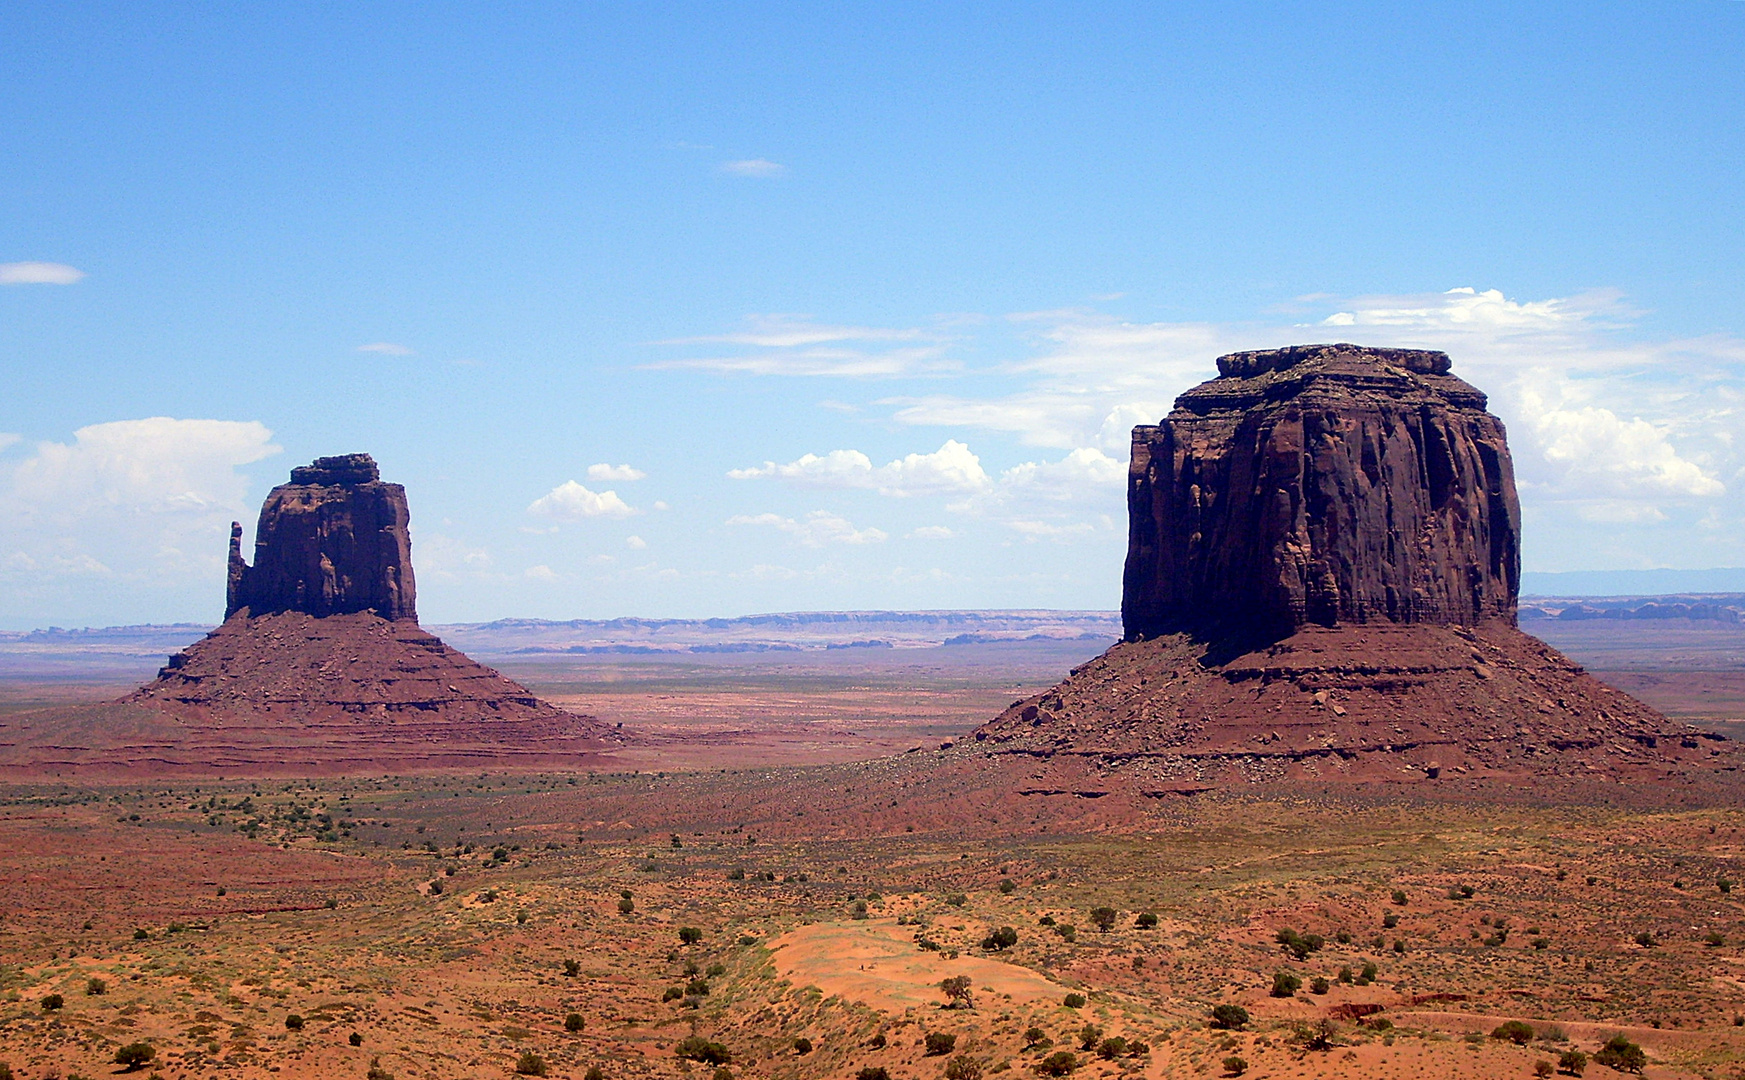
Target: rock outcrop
pixel 333 541
pixel 320 664
pixel 1321 484
pixel 1321 585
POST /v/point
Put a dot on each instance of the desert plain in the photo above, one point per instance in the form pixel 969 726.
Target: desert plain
pixel 774 879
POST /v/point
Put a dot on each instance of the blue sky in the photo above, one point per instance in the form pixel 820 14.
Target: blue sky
pixel 845 308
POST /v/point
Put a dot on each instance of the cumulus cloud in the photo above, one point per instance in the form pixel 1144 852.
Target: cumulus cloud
pixel 614 473
pixel 1617 455
pixel 816 529
pixel 146 502
pixel 39 273
pixel 570 501
pixel 386 348
pixel 952 469
pixel 754 167
pixel 635 542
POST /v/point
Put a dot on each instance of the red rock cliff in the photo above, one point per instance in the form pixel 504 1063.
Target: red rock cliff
pixel 333 541
pixel 1321 484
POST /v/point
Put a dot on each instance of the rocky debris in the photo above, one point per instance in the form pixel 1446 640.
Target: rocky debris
pixel 1321 586
pixel 1321 484
pixel 333 541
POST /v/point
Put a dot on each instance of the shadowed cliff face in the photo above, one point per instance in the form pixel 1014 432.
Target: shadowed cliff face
pixel 333 541
pixel 1321 484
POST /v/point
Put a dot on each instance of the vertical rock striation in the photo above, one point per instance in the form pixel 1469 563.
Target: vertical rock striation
pixel 333 541
pixel 1321 484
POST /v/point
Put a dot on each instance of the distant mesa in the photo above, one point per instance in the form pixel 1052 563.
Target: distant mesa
pixel 320 665
pixel 1321 584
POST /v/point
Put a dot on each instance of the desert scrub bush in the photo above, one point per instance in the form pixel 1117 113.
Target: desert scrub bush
pixel 1285 985
pixel 1035 1037
pixel 626 905
pixel 134 1055
pixel 1008 886
pixel 956 899
pixel 1103 918
pixel 1319 985
pixel 594 1073
pixel 1572 1062
pixel 872 1072
pixel 957 992
pixel 1228 1017
pixel 857 910
pixel 1389 921
pixel 1543 1068
pixel 5 1071
pixel 672 993
pixel 802 1045
pixel 1518 1032
pixel 877 1042
pixel 574 1023
pixel 940 1043
pixel 1003 938
pixel 963 1067
pixel 689 935
pixel 355 1039
pixel 1319 1035
pixel 1146 920
pixel 1400 897
pixel 1367 974
pixel 1074 1001
pixel 1646 940
pixel 1234 1066
pixel 697 1048
pixel 572 968
pixel 1621 1054
pixel 1059 1063
pixel 1067 931
pixel 1299 945
pixel 293 1022
pixel 529 1064
pixel 52 1002
pixel 1111 1048
pixel 94 987
pixel 1088 1036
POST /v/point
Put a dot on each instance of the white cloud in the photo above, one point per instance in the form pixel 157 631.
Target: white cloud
pixel 930 532
pixel 570 501
pixel 438 555
pixel 8 440
pixel 794 345
pixel 756 167
pixel 818 528
pixel 952 469
pixel 1618 455
pixel 614 473
pixel 39 273
pixel 541 572
pixel 636 542
pixel 386 348
pixel 147 501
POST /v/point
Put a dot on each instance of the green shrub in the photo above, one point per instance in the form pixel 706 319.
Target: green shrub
pixel 940 1043
pixel 1319 985
pixel 594 1073
pixel 1299 945
pixel 1621 1054
pixel 1103 918
pixel 802 1045
pixel 355 1039
pixel 1518 1032
pixel 293 1023
pixel 1400 897
pixel 141 934
pixel 1543 1068
pixel 1008 886
pixel 1036 1037
pixel 1111 1048
pixel 134 1055
pixel 376 1071
pixel 529 1064
pixel 52 1002
pixel 1003 938
pixel 572 968
pixel 1572 1062
pixel 1285 985
pixel 957 899
pixel 872 1072
pixel 1145 920
pixel 1059 1063
pixel 697 1048
pixel 1074 1001
pixel 626 905
pixel 574 1023
pixel 690 935
pixel 1234 1066
pixel 94 987
pixel 957 992
pixel 963 1067
pixel 1228 1017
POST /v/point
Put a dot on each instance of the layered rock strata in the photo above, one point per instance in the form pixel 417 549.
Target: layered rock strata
pixel 1321 484
pixel 333 541
pixel 1321 585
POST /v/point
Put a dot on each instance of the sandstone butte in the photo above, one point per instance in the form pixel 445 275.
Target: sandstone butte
pixel 320 665
pixel 1321 580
